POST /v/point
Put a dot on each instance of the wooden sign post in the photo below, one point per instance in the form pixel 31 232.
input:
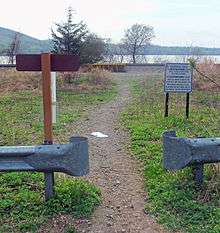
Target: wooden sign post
pixel 46 63
pixel 48 126
pixel 178 79
pixel 47 98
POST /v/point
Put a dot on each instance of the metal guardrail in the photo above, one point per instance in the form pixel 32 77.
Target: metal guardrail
pixel 184 152
pixel 71 158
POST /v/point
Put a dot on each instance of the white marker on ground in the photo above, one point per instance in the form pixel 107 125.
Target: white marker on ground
pixel 99 135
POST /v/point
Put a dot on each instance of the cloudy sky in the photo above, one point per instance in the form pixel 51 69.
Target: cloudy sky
pixel 176 22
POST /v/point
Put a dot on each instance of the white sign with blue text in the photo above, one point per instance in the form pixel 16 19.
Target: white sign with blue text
pixel 178 78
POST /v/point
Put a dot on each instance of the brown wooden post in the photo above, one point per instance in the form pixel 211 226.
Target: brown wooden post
pixel 46 63
pixel 47 98
pixel 47 105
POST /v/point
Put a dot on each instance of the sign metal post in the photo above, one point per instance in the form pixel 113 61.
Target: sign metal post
pixel 167 105
pixel 187 105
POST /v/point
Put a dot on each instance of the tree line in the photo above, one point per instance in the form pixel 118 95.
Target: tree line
pixel 72 37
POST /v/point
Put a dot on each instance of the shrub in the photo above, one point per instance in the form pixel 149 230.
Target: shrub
pixel 99 77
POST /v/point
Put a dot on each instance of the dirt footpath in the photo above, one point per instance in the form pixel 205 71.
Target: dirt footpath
pixel 117 173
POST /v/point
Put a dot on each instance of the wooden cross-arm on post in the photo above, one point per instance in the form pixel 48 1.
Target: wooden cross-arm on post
pixel 46 63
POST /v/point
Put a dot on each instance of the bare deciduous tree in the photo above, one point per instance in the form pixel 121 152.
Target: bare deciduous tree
pixel 136 37
pixel 114 53
pixel 109 51
pixel 13 48
pixel 121 51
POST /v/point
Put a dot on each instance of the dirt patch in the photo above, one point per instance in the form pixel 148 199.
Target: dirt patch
pixel 117 173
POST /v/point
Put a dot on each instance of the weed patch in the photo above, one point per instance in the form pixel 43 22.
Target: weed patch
pixel 173 198
pixel 22 205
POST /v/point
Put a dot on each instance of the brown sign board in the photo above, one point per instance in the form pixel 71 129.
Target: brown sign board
pixel 59 62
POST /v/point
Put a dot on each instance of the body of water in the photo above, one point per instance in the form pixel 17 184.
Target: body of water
pixel 3 60
pixel 148 59
pixel 162 58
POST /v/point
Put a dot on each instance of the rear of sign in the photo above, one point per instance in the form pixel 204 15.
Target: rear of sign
pixel 59 62
pixel 178 78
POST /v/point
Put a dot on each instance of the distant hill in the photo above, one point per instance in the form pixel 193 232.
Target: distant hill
pixel 171 50
pixel 28 44
pixel 33 45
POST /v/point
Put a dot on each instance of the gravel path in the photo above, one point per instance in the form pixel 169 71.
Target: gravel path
pixel 117 173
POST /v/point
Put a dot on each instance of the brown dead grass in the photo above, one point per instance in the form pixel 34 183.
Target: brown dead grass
pixel 210 69
pixel 12 81
pixel 91 81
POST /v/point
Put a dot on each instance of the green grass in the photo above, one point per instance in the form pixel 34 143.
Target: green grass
pixel 21 117
pixel 22 205
pixel 173 198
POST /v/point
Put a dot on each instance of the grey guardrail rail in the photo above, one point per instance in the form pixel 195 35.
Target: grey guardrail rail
pixel 71 158
pixel 179 153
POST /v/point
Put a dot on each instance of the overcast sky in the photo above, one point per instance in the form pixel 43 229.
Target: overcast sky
pixel 176 22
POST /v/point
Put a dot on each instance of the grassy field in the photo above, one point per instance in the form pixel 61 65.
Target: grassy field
pixel 173 198
pixel 22 206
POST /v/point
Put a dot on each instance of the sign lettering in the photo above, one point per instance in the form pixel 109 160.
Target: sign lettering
pixel 178 78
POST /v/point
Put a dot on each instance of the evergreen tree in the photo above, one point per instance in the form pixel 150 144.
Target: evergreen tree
pixel 74 38
pixel 69 36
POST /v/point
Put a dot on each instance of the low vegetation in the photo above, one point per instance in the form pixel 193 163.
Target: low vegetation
pixel 173 198
pixel 23 209
pixel 22 206
pixel 84 81
pixel 113 67
pixel 208 76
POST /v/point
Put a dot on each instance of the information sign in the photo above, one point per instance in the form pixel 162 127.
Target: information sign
pixel 178 78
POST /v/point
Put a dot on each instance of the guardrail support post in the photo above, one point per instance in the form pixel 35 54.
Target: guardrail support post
pixel 198 173
pixel 49 185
